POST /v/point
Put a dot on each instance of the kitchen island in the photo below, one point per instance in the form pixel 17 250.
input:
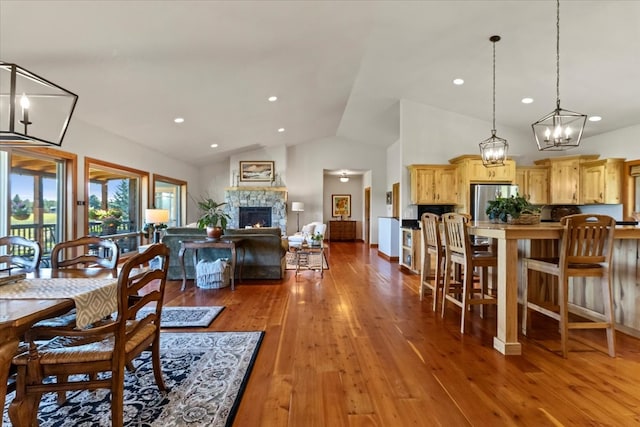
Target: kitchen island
pixel 513 242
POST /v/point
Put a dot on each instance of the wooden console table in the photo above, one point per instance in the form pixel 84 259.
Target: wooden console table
pixel 342 230
pixel 212 243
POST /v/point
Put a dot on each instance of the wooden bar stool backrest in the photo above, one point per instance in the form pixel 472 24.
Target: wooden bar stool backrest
pixel 432 238
pixel 585 251
pixel 459 251
pixel 94 252
pixel 20 252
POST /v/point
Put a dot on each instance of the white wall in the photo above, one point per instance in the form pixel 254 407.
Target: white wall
pixel 430 135
pixel 354 188
pixel 394 167
pixel 86 140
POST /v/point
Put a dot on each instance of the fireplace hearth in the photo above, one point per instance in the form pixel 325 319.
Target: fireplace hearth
pixel 253 216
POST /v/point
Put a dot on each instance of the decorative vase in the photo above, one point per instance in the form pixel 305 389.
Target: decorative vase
pixel 214 232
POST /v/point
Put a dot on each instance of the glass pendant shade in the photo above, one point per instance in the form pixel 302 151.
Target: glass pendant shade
pixel 33 111
pixel 559 130
pixel 493 150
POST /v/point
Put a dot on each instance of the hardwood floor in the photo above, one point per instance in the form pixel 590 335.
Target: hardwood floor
pixel 358 348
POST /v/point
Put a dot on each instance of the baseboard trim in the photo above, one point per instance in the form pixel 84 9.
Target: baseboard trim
pixel 388 258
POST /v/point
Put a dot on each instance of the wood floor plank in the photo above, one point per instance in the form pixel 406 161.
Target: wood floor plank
pixel 358 348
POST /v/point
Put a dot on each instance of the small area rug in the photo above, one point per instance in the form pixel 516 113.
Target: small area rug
pixel 292 266
pixel 205 372
pixel 186 317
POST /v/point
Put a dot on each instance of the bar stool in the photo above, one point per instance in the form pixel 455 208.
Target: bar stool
pixel 432 245
pixel 585 251
pixel 458 251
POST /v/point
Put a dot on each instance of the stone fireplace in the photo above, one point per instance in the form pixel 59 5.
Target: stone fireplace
pixel 254 216
pixel 274 198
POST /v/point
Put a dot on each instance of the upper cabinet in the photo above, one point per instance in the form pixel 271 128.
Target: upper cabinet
pixel 602 181
pixel 433 184
pixel 533 184
pixel 565 178
pixel 474 171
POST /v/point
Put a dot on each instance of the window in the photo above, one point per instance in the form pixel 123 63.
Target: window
pixel 169 193
pixel 113 202
pixel 39 184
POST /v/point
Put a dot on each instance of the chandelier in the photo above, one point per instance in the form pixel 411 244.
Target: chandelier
pixel 494 149
pixel 560 129
pixel 33 111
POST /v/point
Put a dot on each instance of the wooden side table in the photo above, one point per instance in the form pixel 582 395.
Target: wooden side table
pixel 202 244
pixel 302 259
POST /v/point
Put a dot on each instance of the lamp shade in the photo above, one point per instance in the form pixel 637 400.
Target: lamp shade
pixel 297 206
pixel 33 111
pixel 156 216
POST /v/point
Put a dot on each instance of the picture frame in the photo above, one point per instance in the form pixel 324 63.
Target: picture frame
pixel 257 171
pixel 341 205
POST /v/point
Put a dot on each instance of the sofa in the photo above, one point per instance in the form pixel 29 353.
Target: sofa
pixel 264 251
pixel 308 230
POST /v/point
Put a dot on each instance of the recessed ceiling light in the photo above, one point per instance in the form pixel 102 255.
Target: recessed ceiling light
pixel 281 130
pixel 595 118
pixel 178 120
pixel 272 98
pixel 214 145
pixel 458 82
pixel 527 100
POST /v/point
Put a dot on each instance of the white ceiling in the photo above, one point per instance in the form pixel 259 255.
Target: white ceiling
pixel 338 68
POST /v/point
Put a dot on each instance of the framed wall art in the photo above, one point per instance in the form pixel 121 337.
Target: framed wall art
pixel 257 171
pixel 341 205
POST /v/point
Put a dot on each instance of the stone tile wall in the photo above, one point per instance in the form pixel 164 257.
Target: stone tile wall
pixel 275 198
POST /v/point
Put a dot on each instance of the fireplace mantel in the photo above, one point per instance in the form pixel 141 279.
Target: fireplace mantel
pixel 247 188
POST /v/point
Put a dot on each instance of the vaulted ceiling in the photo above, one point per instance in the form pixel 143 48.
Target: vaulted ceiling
pixel 338 68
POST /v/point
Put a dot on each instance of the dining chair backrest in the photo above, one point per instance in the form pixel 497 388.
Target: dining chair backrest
pixel 587 239
pixel 20 252
pixel 106 347
pixel 95 252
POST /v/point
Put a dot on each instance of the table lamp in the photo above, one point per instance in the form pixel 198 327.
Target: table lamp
pixel 297 207
pixel 157 217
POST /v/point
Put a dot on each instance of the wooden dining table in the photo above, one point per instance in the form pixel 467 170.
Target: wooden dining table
pixel 508 236
pixel 18 315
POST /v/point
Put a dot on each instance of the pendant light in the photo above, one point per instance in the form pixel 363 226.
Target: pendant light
pixel 494 149
pixel 560 129
pixel 344 177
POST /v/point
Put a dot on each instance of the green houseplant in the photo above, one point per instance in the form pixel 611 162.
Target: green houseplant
pixel 505 209
pixel 212 217
pixel 316 239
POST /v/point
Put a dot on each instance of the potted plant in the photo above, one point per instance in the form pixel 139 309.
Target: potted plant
pixel 212 217
pixel 316 239
pixel 509 209
pixel 111 219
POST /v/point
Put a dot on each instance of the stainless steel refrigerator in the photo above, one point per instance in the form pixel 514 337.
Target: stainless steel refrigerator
pixel 481 194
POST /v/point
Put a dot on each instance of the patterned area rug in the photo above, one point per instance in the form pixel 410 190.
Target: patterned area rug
pixel 313 260
pixel 187 317
pixel 205 373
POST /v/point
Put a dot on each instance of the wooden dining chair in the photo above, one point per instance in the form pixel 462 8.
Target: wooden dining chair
pixel 585 251
pixel 21 253
pixel 95 252
pixel 109 347
pixel 458 251
pixel 432 240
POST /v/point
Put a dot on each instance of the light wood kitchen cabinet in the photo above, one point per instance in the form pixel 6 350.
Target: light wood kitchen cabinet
pixel 471 170
pixel 565 178
pixel 478 172
pixel 433 184
pixel 533 184
pixel 411 250
pixel 602 181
